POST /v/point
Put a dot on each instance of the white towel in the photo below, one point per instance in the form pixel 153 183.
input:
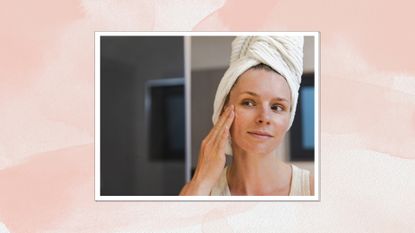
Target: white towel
pixel 282 53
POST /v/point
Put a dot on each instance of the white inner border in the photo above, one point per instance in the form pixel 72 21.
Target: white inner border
pixel 187 72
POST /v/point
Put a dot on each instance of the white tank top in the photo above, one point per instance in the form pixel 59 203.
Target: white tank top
pixel 300 183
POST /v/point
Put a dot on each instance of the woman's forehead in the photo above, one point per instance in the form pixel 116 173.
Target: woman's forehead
pixel 262 83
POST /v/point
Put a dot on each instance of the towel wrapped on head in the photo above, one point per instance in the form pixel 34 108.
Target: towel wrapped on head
pixel 284 54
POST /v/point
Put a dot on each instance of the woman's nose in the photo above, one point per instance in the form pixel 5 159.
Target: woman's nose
pixel 263 116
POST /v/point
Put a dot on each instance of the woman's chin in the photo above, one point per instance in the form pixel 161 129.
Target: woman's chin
pixel 256 149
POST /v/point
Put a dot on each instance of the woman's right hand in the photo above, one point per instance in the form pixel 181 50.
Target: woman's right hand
pixel 211 156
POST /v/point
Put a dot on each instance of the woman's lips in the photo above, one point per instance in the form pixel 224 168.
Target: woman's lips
pixel 260 134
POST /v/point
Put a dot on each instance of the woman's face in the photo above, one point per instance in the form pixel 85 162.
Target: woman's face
pixel 262 101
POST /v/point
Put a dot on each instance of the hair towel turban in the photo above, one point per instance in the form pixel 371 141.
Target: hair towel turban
pixel 282 53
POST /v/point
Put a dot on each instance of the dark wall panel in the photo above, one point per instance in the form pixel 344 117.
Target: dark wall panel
pixel 126 64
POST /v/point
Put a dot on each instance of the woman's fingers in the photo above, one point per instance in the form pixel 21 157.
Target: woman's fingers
pixel 214 133
pixel 211 156
pixel 230 118
pixel 224 117
pixel 220 140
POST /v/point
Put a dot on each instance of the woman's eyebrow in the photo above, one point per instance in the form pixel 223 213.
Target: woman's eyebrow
pixel 250 93
pixel 256 95
pixel 281 99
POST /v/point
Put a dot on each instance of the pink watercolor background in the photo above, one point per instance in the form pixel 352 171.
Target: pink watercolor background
pixel 47 116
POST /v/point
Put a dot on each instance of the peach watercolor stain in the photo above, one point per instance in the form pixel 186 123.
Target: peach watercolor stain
pixel 215 221
pixel 169 16
pixel 54 192
pixel 238 15
pixel 386 42
pixel 28 32
pixel 146 216
pixel 376 106
pixel 380 191
pixel 30 35
pixel 40 191
pixel 52 105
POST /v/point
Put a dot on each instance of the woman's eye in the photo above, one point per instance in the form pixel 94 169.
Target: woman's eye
pixel 277 108
pixel 248 103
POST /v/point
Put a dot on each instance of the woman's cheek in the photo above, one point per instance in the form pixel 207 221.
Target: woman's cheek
pixel 282 123
pixel 238 120
pixel 235 121
pixel 286 121
pixel 240 116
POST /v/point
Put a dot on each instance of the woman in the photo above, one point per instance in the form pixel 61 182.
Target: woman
pixel 254 108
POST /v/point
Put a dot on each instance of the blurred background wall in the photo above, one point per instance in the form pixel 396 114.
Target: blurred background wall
pixel 127 63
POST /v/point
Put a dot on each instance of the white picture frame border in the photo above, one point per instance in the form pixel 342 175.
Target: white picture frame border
pixel 187 52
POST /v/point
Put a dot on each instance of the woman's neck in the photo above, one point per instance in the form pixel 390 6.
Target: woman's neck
pixel 251 174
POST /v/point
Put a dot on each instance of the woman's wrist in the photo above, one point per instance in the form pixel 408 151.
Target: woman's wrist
pixel 201 186
pixel 196 187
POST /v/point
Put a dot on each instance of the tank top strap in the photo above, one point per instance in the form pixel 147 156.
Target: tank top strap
pixel 300 182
